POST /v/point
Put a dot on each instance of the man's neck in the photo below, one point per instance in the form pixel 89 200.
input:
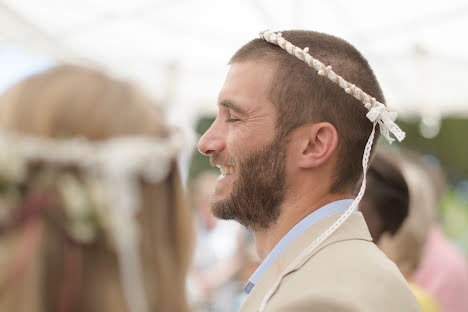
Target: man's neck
pixel 292 212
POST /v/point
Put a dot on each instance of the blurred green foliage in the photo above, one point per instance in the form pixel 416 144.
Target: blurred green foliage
pixel 450 146
pixel 454 218
pixel 199 162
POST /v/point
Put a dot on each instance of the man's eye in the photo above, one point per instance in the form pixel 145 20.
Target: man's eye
pixel 232 118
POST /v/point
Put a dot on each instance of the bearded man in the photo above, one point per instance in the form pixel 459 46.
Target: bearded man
pixel 289 144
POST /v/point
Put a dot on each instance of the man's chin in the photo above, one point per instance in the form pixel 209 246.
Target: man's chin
pixel 218 207
pixel 222 209
pixel 218 197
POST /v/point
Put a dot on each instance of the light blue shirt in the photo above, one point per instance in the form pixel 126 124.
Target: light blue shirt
pixel 330 209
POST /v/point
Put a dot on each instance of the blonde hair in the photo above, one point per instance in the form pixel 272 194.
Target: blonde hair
pixel 69 101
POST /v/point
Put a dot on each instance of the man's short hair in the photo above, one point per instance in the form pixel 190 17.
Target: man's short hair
pixel 302 96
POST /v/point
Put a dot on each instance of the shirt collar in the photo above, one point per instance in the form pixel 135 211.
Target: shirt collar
pixel 295 232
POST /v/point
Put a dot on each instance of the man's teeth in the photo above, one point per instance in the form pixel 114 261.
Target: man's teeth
pixel 226 170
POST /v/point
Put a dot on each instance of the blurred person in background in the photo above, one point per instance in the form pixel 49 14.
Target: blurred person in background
pixel 442 269
pixel 400 206
pixel 66 241
pixel 213 284
pixel 385 207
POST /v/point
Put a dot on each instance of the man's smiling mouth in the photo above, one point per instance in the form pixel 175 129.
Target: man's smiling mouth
pixel 226 170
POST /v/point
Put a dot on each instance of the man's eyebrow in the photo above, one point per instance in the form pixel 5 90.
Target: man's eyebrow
pixel 234 107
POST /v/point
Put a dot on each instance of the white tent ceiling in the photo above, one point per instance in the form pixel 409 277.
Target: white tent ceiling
pixel 178 50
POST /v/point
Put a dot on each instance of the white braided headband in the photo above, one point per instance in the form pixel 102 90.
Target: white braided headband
pixel 119 163
pixel 377 111
pixel 378 114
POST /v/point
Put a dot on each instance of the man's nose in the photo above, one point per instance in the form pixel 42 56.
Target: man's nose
pixel 212 141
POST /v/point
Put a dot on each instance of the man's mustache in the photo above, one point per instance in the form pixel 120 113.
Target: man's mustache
pixel 217 159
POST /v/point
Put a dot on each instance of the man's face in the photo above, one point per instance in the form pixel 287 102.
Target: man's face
pixel 242 142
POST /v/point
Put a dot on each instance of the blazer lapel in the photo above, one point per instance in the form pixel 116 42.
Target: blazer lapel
pixel 353 228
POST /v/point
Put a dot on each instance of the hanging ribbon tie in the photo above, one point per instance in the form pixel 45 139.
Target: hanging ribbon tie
pixel 386 120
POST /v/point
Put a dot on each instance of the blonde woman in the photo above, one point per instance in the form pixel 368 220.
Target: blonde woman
pixel 68 241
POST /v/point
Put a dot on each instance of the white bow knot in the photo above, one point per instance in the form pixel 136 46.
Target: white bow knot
pixel 386 120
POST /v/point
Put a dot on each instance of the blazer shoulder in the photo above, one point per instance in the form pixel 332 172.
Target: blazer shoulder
pixel 348 275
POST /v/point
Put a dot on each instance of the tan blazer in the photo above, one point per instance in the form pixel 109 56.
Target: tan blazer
pixel 346 273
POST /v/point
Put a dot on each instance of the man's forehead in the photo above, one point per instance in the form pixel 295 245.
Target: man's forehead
pixel 251 70
pixel 246 84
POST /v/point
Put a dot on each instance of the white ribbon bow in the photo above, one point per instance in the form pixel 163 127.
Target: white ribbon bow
pixel 386 120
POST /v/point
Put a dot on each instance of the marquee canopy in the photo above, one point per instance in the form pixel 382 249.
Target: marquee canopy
pixel 178 49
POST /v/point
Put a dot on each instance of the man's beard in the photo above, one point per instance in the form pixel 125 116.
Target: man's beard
pixel 259 189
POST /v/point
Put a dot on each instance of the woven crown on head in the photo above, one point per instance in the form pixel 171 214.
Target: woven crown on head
pixel 378 112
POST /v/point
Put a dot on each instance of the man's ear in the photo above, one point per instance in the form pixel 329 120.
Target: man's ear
pixel 318 143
